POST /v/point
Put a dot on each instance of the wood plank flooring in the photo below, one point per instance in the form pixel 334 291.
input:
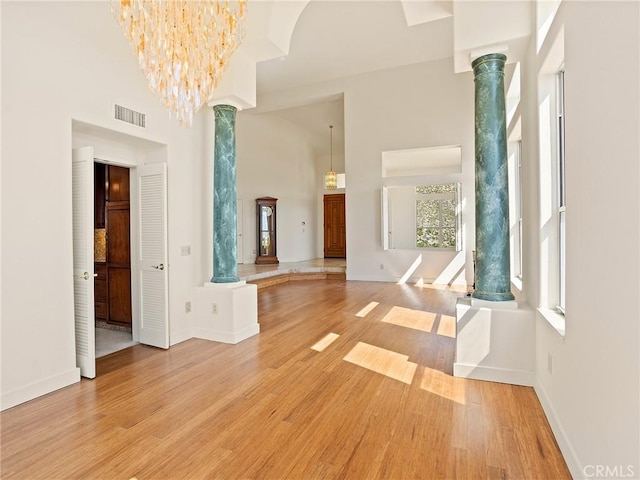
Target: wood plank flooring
pixel 373 400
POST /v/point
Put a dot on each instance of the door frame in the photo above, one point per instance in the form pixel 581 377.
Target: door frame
pixel 117 147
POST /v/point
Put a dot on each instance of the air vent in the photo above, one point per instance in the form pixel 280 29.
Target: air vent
pixel 130 116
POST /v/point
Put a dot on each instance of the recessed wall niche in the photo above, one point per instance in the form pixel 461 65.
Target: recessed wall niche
pixel 404 173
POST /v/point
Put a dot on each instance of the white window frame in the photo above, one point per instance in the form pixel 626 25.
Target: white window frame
pixel 561 203
pixel 517 211
pixel 550 216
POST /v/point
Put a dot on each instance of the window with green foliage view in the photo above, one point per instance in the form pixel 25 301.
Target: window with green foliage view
pixel 436 216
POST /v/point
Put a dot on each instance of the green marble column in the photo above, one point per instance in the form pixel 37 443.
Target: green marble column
pixel 492 273
pixel 225 229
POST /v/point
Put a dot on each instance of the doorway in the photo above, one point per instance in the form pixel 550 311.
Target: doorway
pixel 112 258
pixel 148 273
pixel 335 233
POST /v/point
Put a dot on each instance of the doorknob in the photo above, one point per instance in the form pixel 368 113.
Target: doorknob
pixel 84 276
pixel 158 267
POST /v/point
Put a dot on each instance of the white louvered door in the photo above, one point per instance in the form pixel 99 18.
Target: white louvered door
pixel 152 248
pixel 83 299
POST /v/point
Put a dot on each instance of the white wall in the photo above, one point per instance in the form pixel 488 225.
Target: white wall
pixel 64 61
pixel 423 105
pixel 275 160
pixel 592 395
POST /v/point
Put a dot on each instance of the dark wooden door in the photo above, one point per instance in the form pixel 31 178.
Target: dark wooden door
pixel 117 223
pixel 335 233
pixel 119 264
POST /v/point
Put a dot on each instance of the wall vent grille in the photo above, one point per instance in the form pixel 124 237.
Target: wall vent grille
pixel 130 116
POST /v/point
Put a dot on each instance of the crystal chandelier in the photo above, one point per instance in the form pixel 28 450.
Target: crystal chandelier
pixel 331 178
pixel 182 46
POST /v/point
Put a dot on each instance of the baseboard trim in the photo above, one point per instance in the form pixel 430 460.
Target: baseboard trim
pixel 365 278
pixel 39 388
pixel 569 454
pixel 490 374
pixel 227 337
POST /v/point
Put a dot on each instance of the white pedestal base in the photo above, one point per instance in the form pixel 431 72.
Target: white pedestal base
pixel 495 342
pixel 226 312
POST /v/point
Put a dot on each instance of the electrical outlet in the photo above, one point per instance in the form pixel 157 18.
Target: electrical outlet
pixel 185 250
pixel 214 308
pixel 187 307
pixel 549 363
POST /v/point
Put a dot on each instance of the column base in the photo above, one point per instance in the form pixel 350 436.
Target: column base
pixel 225 280
pixel 503 305
pixel 226 312
pixel 236 284
pixel 493 343
pixel 493 296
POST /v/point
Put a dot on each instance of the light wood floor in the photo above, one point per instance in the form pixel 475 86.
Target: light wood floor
pixel 377 402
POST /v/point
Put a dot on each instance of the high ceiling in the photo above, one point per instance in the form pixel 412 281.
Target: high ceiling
pixel 334 39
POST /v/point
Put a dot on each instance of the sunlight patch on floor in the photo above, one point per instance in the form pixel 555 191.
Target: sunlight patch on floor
pixel 367 309
pixel 451 388
pixel 406 317
pixel 391 364
pixel 327 340
pixel 416 263
pixel 447 326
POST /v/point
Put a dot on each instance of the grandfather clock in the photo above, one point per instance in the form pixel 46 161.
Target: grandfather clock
pixel 266 230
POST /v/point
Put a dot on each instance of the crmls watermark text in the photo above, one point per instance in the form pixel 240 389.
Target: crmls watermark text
pixel 609 471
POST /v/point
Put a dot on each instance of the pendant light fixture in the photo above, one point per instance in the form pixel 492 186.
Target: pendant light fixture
pixel 331 178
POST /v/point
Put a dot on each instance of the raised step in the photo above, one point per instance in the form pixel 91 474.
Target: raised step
pixel 269 281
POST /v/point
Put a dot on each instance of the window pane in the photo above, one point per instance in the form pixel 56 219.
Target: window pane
pixel 427 213
pixel 448 237
pixel 519 264
pixel 448 213
pixel 561 139
pixel 427 189
pixel 427 237
pixel 561 183
pixel 421 237
pixel 562 239
pixel 519 209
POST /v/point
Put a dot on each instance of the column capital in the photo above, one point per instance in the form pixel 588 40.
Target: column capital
pixel 492 62
pixel 220 104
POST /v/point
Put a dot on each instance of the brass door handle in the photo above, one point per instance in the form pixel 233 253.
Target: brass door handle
pixel 158 267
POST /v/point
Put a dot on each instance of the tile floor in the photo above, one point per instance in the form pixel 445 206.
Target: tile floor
pixel 109 341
